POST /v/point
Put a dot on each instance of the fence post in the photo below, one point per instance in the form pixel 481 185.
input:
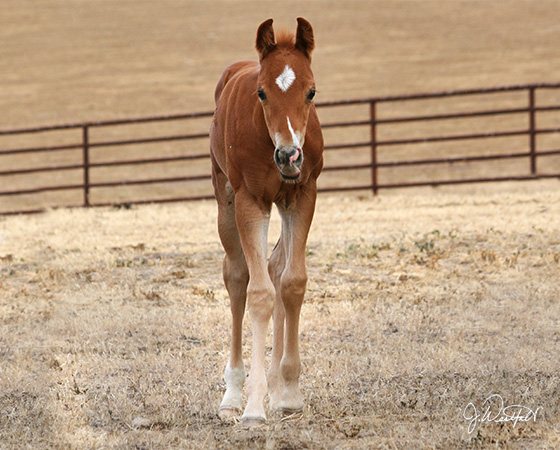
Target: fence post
pixel 532 131
pixel 85 135
pixel 372 108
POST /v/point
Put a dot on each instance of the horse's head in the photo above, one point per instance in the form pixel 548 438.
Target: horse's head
pixel 285 90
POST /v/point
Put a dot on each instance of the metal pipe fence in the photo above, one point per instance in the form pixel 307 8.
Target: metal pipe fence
pixel 374 121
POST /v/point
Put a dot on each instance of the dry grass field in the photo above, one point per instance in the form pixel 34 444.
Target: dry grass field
pixel 115 323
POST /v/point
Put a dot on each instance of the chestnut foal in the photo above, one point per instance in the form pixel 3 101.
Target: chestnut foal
pixel 266 147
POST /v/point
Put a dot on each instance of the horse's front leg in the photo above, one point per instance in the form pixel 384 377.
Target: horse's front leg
pixel 236 278
pixel 296 221
pixel 252 221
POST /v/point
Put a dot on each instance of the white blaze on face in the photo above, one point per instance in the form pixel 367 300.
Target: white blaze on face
pixel 295 138
pixel 286 78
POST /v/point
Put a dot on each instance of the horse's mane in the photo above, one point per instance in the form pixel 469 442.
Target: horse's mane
pixel 285 40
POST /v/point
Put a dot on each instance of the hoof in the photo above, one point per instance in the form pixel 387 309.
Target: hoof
pixel 229 413
pixel 252 422
pixel 290 411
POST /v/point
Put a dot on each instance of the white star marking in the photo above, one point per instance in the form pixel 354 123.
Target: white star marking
pixel 286 78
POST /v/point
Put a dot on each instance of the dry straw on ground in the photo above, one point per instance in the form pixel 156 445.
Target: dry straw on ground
pixel 115 323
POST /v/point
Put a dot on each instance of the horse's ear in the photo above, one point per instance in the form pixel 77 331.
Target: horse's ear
pixel 305 42
pixel 265 39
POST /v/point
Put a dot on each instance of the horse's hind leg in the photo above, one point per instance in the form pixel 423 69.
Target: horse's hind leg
pixel 236 278
pixel 276 266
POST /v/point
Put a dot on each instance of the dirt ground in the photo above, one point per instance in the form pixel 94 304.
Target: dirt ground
pixel 115 323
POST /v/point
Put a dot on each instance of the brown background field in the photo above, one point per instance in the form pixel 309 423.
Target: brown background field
pixel 74 61
pixel 114 324
pixel 91 60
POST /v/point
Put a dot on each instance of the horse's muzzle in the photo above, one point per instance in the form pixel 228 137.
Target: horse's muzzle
pixel 289 161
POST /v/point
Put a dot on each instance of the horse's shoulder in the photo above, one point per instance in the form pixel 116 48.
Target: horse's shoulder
pixel 232 71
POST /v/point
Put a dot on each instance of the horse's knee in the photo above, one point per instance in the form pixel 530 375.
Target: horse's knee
pixel 235 273
pixel 293 287
pixel 260 299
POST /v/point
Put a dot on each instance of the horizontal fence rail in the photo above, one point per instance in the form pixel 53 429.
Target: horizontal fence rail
pixel 530 109
pixel 374 122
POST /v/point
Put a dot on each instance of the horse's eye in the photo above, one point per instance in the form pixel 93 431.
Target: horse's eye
pixel 311 94
pixel 261 95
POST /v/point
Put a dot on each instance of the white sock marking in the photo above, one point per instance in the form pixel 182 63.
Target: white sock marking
pixel 234 384
pixel 286 78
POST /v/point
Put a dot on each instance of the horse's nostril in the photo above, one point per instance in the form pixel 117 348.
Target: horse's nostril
pixel 287 156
